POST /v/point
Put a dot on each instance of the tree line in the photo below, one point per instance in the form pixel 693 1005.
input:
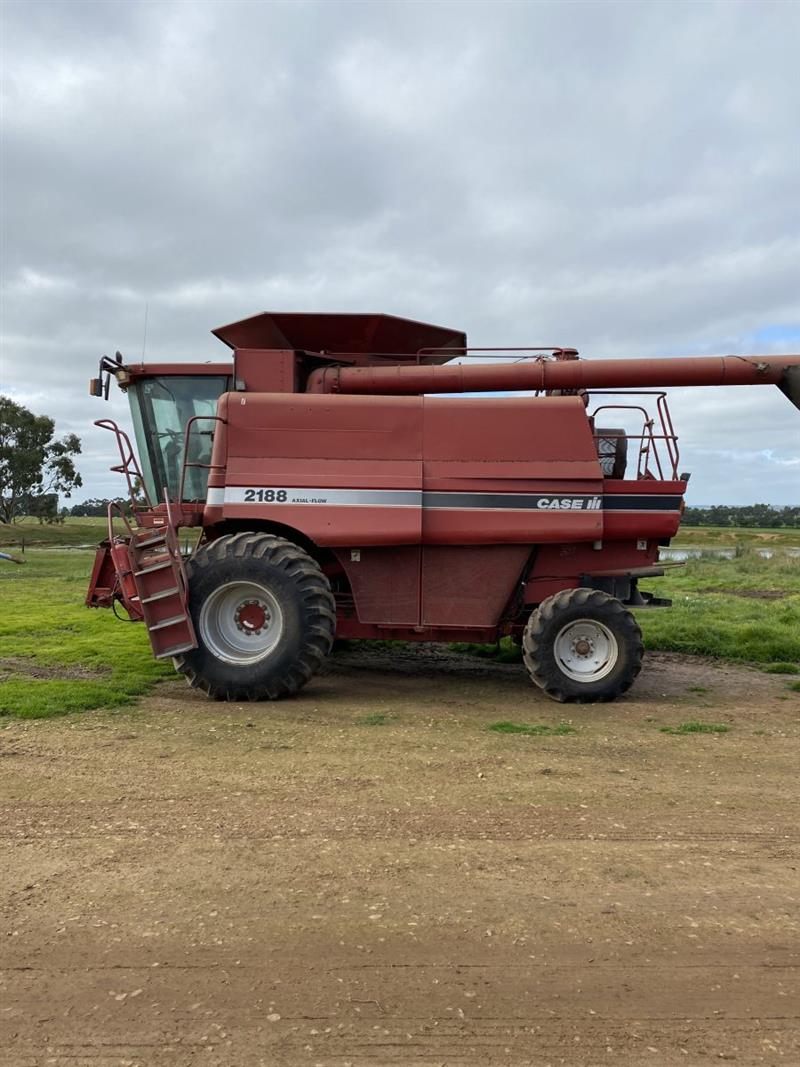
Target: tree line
pixel 747 515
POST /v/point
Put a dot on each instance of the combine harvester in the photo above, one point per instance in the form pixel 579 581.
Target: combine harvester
pixel 335 497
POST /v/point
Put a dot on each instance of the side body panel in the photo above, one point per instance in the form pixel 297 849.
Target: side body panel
pixel 444 513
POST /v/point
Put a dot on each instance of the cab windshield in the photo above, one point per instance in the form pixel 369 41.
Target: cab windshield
pixel 161 408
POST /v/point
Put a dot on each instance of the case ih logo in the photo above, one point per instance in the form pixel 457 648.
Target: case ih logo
pixel 569 503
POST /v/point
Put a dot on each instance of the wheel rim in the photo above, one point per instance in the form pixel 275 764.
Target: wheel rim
pixel 586 650
pixel 241 622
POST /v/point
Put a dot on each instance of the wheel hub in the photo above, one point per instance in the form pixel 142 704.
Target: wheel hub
pixel 586 650
pixel 241 622
pixel 251 617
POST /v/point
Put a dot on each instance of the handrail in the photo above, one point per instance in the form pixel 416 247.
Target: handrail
pixel 648 440
pixel 115 507
pixel 128 463
pixel 186 464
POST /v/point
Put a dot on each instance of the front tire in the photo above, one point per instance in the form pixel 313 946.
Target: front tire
pixel 263 614
pixel 582 645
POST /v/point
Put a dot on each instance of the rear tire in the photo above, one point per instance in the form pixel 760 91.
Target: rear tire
pixel 263 614
pixel 582 645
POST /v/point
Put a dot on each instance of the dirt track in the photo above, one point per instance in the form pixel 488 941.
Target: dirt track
pixel 190 882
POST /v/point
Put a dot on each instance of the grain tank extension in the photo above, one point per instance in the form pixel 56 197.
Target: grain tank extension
pixel 333 494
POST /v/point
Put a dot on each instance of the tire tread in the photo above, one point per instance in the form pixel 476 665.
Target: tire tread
pixel 535 646
pixel 312 586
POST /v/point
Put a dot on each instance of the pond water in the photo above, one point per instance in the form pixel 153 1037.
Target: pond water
pixel 690 552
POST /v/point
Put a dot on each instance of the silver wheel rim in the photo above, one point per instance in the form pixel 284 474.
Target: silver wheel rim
pixel 586 650
pixel 241 622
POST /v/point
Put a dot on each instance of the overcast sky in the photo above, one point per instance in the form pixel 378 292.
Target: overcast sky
pixel 622 178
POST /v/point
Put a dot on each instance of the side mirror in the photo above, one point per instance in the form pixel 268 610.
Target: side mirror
pixel 101 385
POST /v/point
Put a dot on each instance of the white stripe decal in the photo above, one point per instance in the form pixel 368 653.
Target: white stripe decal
pixel 452 500
pixel 348 498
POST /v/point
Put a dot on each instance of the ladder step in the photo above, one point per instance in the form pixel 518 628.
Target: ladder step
pixel 174 651
pixel 155 567
pixel 160 596
pixel 159 539
pixel 167 622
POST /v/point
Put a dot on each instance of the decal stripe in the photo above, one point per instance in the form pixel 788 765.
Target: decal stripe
pixel 278 496
pixel 633 502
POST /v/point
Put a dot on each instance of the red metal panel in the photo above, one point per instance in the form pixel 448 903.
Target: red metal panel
pixel 360 472
pixel 469 586
pixel 508 446
pixel 357 336
pixel 265 370
pixel 291 441
pixel 333 527
pixel 348 627
pixel 528 437
pixel 560 566
pixel 164 370
pixel 621 523
pixel 103 579
pixel 528 527
pixel 385 584
pixel 319 427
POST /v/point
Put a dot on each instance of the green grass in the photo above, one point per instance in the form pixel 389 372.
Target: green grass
pixel 531 731
pixel 503 651
pixel 795 687
pixel 730 536
pixel 70 533
pixel 59 656
pixel 781 668
pixel 745 609
pixel 696 728
pixel 377 718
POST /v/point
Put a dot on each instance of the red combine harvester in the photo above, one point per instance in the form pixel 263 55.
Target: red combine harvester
pixel 335 497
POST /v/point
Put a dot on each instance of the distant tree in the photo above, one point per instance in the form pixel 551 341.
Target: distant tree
pixel 748 515
pixel 95 507
pixel 32 462
pixel 41 506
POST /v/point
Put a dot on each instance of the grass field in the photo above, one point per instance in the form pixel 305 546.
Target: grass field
pixel 745 609
pixel 730 536
pixel 58 656
pixel 35 534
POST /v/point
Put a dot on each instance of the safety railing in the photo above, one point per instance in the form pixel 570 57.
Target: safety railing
pixel 128 465
pixel 658 455
pixel 116 511
pixel 188 464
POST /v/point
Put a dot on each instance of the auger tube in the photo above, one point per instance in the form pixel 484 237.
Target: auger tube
pixel 549 375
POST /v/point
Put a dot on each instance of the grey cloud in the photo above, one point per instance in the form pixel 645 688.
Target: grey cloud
pixel 620 177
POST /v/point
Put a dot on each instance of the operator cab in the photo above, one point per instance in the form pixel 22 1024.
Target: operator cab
pixel 164 398
pixel 161 407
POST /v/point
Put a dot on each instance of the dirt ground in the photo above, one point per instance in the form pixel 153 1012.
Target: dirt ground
pixel 186 882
